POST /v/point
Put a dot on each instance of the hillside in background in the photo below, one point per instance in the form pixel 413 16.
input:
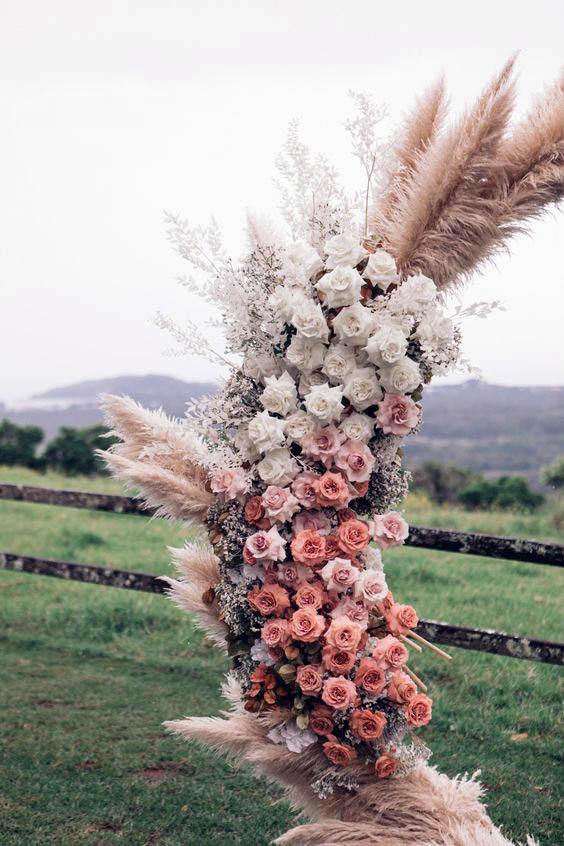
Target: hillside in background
pixel 490 428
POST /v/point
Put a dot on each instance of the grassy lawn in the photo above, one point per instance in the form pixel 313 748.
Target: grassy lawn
pixel 89 673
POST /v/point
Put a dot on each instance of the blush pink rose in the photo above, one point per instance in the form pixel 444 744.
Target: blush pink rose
pixel 338 661
pixel 343 634
pixel 323 444
pixel 397 415
pixel 266 545
pixel 400 619
pixel 313 521
pixel 332 490
pixel 356 460
pixel 231 483
pixel 353 609
pixel 389 529
pixel 370 676
pixel 303 488
pixel 308 547
pixel 276 632
pixel 401 689
pixel 419 710
pixel 292 574
pixel 279 504
pixel 306 625
pixel 340 574
pixel 354 536
pixel 310 679
pixel 390 652
pixel 309 595
pixel 371 587
pixel 339 693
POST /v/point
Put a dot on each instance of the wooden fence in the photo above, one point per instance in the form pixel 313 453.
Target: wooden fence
pixel 482 640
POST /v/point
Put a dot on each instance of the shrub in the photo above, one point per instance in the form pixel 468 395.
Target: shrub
pixel 554 475
pixel 508 493
pixel 18 445
pixel 442 482
pixel 73 451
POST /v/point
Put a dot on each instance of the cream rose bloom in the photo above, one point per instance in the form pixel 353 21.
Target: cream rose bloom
pixel 299 425
pixel 277 467
pixel 354 324
pixel 339 362
pixel 357 427
pixel 286 300
pixel 341 286
pixel 343 249
pixel 245 445
pixel 266 432
pixel 309 381
pixel 435 331
pixel 258 367
pixel 279 395
pixel 310 322
pixel 362 388
pixel 303 259
pixel 381 269
pixel 305 354
pixel 324 402
pixel 372 558
pixel 400 378
pixel 387 346
pixel 416 294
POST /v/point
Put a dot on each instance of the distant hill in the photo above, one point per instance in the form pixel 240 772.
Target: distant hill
pixel 490 428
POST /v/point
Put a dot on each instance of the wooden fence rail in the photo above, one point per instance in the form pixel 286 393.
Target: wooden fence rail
pixel 481 640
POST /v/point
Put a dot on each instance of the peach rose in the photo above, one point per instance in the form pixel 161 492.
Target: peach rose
pixel 339 754
pixel 309 595
pixel 339 693
pixel 320 720
pixel 400 619
pixel 343 634
pixel 332 490
pixel 389 529
pixel 275 632
pixel 397 415
pixel 332 548
pixel 254 513
pixel 308 547
pixel 355 458
pixel 370 677
pixel 390 652
pixel 309 679
pixel 367 725
pixel 291 574
pixel 385 604
pixel 353 536
pixel 339 574
pixel 269 599
pixel 306 625
pixel 401 689
pixel 338 661
pixel 385 766
pixel 230 483
pixel 303 488
pixel 323 444
pixel 419 710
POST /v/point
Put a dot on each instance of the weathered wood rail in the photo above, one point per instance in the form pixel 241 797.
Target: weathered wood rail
pixel 443 540
pixel 480 640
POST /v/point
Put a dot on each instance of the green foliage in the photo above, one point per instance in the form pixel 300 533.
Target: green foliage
pixel 442 482
pixel 18 445
pixel 554 475
pixel 508 493
pixel 73 451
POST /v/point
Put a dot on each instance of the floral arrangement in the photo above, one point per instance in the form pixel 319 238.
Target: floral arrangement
pixel 294 467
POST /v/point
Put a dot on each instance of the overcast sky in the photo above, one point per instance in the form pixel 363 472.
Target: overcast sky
pixel 113 111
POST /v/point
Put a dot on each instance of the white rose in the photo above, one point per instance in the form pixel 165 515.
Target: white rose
pixel 357 427
pixel 279 395
pixel 305 354
pixel 277 467
pixel 299 425
pixel 381 269
pixel 343 249
pixel 245 446
pixel 257 367
pixel 286 300
pixel 266 432
pixel 372 558
pixel 416 294
pixel 400 378
pixel 309 381
pixel 324 402
pixel 435 331
pixel 303 259
pixel 387 346
pixel 341 286
pixel 362 388
pixel 370 586
pixel 339 361
pixel 309 321
pixel 354 324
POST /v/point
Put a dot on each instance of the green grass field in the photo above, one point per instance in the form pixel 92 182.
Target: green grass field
pixel 88 674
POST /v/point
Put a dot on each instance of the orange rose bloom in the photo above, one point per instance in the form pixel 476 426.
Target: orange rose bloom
pixel 306 625
pixel 400 619
pixel 320 720
pixel 370 676
pixel 309 678
pixel 269 599
pixel 339 693
pixel 339 754
pixel 344 634
pixel 390 652
pixel 401 689
pixel 419 710
pixel 385 766
pixel 331 489
pixel 309 595
pixel 332 548
pixel 338 661
pixel 308 547
pixel 367 725
pixel 353 536
pixel 254 512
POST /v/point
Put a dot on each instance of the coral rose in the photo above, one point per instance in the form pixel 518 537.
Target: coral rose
pixel 339 754
pixel 269 599
pixel 385 766
pixel 390 652
pixel 370 677
pixel 339 693
pixel 320 720
pixel 306 625
pixel 338 661
pixel 343 634
pixel 308 547
pixel 309 679
pixel 353 536
pixel 254 513
pixel 332 490
pixel 400 619
pixel 367 725
pixel 332 548
pixel 275 633
pixel 389 529
pixel 419 710
pixel 309 595
pixel 397 415
pixel 401 689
